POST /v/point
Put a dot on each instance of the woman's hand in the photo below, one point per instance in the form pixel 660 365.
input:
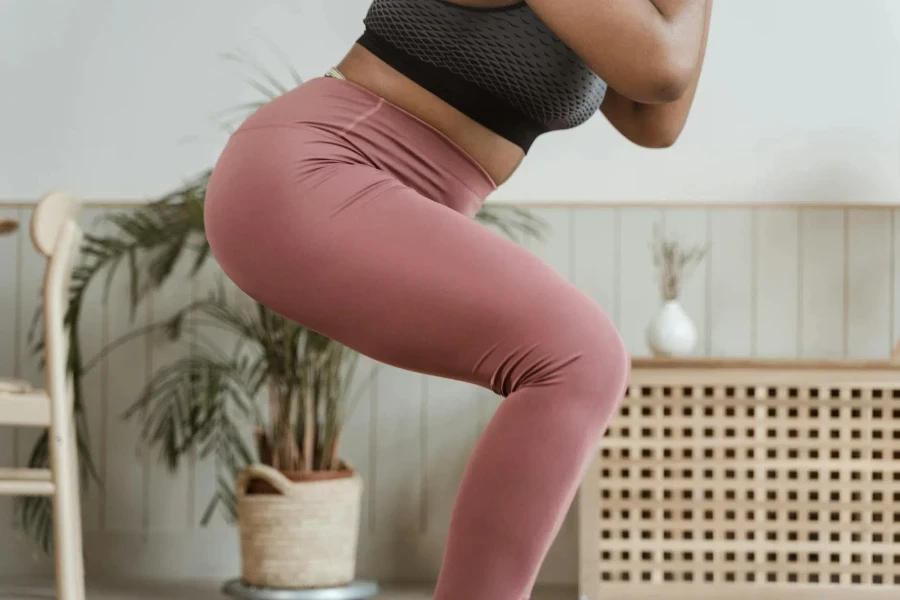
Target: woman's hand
pixel 647 50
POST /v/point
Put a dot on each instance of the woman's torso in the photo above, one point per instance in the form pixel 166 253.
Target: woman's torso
pixel 497 154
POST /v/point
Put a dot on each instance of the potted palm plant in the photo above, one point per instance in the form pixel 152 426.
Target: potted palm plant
pixel 297 503
pixel 289 489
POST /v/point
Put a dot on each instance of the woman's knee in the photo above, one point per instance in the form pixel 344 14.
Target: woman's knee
pixel 580 351
pixel 604 364
pixel 578 380
pixel 590 362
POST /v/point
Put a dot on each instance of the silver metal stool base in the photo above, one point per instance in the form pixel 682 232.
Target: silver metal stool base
pixel 358 590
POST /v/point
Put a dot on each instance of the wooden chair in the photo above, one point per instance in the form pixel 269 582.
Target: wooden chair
pixel 56 235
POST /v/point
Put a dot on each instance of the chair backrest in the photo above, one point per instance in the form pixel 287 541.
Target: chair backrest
pixel 56 235
pixel 51 215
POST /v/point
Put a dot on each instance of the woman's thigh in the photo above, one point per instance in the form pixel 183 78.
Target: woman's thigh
pixel 355 255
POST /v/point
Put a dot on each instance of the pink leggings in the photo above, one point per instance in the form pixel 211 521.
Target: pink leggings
pixel 350 216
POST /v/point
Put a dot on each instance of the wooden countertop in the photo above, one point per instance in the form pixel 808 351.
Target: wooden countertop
pixel 641 363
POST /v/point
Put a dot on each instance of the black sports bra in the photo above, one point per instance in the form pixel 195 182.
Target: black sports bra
pixel 502 67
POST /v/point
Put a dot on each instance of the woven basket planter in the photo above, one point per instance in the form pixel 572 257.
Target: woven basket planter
pixel 301 535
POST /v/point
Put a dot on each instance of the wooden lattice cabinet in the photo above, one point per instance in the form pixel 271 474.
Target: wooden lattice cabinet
pixel 747 477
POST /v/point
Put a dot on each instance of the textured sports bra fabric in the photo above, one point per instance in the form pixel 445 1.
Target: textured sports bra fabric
pixel 503 67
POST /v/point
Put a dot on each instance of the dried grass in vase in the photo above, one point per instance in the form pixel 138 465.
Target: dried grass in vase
pixel 674 263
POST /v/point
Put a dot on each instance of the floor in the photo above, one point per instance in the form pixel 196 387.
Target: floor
pixel 210 591
pixel 201 591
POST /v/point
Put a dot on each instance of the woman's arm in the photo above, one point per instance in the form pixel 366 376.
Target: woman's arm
pixel 655 125
pixel 645 49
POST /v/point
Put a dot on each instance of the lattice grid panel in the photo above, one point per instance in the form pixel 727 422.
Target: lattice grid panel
pixel 751 485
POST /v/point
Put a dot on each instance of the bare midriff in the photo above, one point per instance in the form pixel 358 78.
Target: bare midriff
pixel 497 155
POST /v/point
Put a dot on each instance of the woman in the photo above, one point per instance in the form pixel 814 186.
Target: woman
pixel 346 206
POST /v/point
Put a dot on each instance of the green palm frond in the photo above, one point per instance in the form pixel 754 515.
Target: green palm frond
pixel 517 223
pixel 269 86
pixel 34 514
pixel 262 81
pixel 184 403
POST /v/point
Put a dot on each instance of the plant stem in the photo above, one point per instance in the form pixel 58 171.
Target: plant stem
pixel 274 412
pixel 309 426
pixel 334 463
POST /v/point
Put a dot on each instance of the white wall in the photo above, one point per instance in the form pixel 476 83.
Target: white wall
pixel 799 101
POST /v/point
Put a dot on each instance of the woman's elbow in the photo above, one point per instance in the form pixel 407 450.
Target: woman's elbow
pixel 662 140
pixel 663 75
pixel 656 85
pixel 670 85
pixel 670 77
pixel 657 136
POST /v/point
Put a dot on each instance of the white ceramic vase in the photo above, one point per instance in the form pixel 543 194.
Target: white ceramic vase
pixel 671 332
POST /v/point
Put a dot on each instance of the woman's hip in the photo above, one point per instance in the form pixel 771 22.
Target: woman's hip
pixel 343 122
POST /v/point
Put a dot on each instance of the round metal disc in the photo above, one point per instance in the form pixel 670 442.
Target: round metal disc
pixel 358 590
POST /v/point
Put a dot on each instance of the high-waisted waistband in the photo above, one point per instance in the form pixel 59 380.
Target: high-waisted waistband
pixel 384 136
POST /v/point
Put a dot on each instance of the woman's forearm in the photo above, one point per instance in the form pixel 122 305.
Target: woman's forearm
pixel 657 125
pixel 645 49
